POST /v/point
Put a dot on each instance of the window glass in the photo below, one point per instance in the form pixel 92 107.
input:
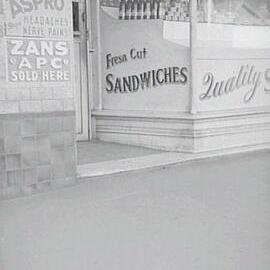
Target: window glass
pixel 145 54
pixel 243 12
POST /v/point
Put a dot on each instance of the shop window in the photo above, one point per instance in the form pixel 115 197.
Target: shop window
pixel 141 70
pixel 240 12
pixel 248 12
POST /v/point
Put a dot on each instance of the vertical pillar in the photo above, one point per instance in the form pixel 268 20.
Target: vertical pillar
pixel 209 10
pixel 100 93
pixel 193 57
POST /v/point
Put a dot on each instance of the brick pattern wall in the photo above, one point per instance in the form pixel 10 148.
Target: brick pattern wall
pixel 37 152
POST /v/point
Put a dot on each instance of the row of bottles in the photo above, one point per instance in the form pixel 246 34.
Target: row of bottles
pixel 178 10
pixel 141 9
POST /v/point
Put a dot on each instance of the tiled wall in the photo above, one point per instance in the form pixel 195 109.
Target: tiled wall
pixel 37 118
pixel 37 152
pixel 26 98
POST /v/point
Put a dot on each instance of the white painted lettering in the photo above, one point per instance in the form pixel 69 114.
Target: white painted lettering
pixel 41 61
pixel 24 63
pixel 17 47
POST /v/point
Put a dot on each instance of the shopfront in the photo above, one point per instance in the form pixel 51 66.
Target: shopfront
pixel 181 77
pixel 176 75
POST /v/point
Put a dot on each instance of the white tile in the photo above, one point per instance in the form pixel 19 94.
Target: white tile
pixel 30 106
pixel 52 105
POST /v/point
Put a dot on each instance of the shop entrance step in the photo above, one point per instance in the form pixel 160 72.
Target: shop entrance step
pixel 97 151
pixel 96 158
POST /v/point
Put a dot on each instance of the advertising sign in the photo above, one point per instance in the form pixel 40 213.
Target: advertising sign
pixel 38 18
pixel 173 75
pixel 239 83
pixel 32 60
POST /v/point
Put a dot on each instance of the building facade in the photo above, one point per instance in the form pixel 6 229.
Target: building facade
pixel 176 75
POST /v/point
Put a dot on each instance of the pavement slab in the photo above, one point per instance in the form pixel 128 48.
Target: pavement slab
pixel 96 151
pixel 211 214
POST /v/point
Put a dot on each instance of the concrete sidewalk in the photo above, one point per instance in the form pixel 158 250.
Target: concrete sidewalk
pixel 98 151
pixel 96 158
pixel 210 214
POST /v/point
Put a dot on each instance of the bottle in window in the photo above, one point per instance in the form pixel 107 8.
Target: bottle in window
pixel 127 10
pixel 132 9
pixel 140 10
pixel 152 5
pixel 148 10
pixel 122 10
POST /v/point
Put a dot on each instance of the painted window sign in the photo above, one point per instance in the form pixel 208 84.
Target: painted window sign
pixel 147 79
pixel 143 80
pixel 38 18
pixel 31 60
pixel 248 80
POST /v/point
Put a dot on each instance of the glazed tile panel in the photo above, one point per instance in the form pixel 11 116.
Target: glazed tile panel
pixel 37 152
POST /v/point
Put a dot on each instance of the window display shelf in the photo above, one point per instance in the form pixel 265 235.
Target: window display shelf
pixel 237 12
pixel 219 35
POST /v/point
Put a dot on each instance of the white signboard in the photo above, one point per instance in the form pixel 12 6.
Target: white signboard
pixel 32 60
pixel 39 18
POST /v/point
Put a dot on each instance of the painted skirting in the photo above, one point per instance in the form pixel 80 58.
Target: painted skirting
pixel 183 132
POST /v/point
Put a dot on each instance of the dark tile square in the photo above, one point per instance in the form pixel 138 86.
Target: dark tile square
pixel 2 163
pixel 44 173
pixel 57 157
pixel 14 178
pixel 43 126
pixel 28 144
pixel 70 155
pixel 29 159
pixel 12 145
pixel 2 146
pixel 13 161
pixel 69 124
pixel 29 176
pixel 56 124
pixel 43 142
pixel 44 185
pixel 1 128
pixel 58 171
pixel 3 180
pixel 29 127
pixel 69 139
pixel 57 140
pixel 70 170
pixel 12 128
pixel 30 189
pixel 44 157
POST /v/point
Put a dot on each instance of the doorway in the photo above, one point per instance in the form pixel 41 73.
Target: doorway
pixel 82 69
